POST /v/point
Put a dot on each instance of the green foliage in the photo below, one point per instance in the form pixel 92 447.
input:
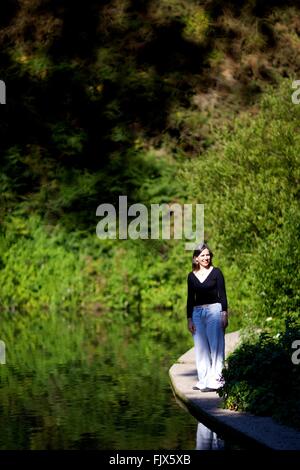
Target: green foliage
pixel 276 280
pixel 69 141
pixel 45 271
pixel 196 24
pixel 37 64
pixel 41 272
pixel 194 18
pixel 261 378
pixel 141 290
pixel 251 207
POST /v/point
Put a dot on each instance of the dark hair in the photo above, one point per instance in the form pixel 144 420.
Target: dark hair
pixel 197 252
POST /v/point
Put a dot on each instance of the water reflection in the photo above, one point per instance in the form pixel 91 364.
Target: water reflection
pixel 206 439
pixel 68 389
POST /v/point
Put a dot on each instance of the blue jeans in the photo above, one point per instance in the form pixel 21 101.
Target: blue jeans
pixel 209 345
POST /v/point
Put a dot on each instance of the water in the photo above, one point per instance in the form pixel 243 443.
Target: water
pixel 63 390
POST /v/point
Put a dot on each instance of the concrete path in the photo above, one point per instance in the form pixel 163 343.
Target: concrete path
pixel 251 430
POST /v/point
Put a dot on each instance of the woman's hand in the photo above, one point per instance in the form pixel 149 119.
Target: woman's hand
pixel 191 326
pixel 224 319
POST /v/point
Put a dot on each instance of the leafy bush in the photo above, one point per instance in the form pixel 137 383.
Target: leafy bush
pixel 41 272
pixel 261 378
pixel 249 184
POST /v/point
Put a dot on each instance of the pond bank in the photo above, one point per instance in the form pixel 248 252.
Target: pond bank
pixel 255 431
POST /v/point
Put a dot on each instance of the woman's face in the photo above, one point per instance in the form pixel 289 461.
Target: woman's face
pixel 204 258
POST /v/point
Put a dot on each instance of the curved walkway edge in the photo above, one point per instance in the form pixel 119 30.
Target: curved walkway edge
pixel 258 431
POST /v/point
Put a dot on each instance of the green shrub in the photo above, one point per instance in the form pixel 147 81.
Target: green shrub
pixel 261 378
pixel 249 184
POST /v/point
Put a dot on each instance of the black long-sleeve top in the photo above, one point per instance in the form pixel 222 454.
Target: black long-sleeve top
pixel 210 291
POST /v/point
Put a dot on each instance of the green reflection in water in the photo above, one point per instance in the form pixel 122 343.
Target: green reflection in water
pixel 81 386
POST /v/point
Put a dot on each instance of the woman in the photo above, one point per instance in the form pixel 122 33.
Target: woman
pixel 207 318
